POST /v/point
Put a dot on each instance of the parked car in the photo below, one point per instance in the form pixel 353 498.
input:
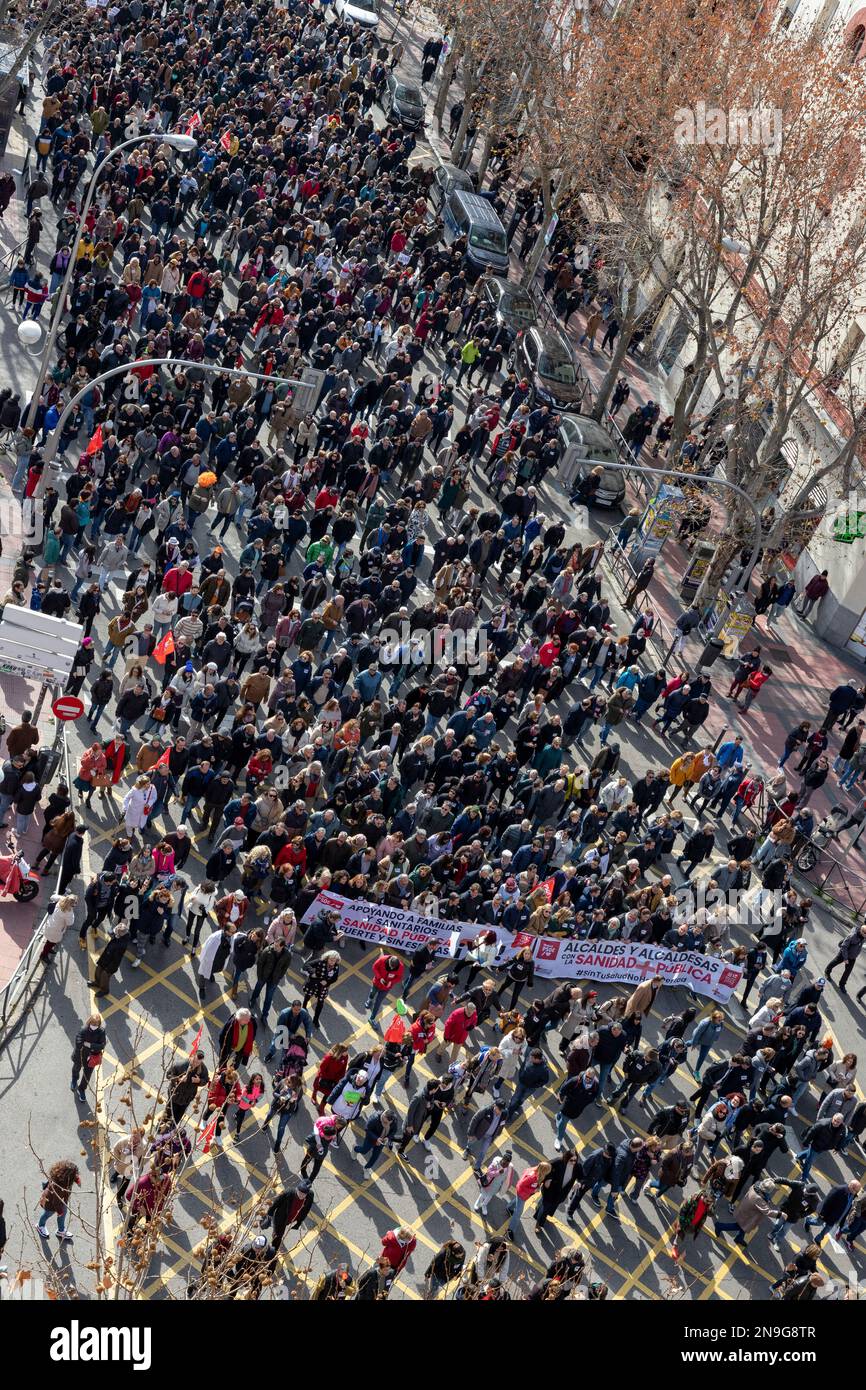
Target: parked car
pixel 447 179
pixel 403 102
pixel 585 444
pixel 363 12
pixel 476 219
pixel 512 307
pixel 547 362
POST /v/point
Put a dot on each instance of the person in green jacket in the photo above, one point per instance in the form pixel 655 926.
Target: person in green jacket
pixel 468 357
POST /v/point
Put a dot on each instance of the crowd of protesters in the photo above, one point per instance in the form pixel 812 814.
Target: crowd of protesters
pixel 313 659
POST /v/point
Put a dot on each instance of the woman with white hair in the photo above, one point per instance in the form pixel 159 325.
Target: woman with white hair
pixel 137 805
pixel 61 916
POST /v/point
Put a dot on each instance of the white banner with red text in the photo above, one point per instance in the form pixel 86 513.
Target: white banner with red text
pixel 558 958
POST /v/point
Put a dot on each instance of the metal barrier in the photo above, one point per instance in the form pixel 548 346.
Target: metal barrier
pixel 661 640
pixel 29 963
pixel 826 868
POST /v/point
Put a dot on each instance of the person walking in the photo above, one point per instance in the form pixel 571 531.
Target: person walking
pixel 87 1054
pixel 54 1201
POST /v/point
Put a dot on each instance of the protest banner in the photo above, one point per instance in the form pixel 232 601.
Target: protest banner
pixel 558 958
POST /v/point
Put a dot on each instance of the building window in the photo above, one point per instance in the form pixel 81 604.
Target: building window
pixel 826 17
pixel 787 14
pixel 674 345
pixel 855 35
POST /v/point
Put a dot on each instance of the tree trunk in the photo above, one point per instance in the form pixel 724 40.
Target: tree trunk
pixel 553 202
pixel 28 45
pixel 448 68
pixel 726 549
pixel 485 159
pixel 620 348
pixel 467 111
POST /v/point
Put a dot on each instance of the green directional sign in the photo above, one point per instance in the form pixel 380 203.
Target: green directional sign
pixel 849 527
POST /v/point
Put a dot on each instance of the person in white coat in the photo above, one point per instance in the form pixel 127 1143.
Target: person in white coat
pixel 497 1179
pixel 616 794
pixel 214 956
pixel 61 916
pixel 512 1048
pixel 137 805
pixel 164 612
pixel 766 1014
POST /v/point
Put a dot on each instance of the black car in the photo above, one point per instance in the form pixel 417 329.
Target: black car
pixel 403 102
pixel 512 307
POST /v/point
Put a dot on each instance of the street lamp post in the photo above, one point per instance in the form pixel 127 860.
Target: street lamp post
pixel 127 367
pixel 177 142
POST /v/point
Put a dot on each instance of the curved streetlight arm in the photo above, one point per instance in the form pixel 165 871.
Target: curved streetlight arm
pixel 127 367
pixel 60 304
pixel 215 370
pixel 690 477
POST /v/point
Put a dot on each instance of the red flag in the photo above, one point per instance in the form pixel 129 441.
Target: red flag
pixel 164 648
pixel 396 1030
pixel 95 443
pixel 194 122
pixel 226 141
pixel 162 761
pixel 194 1049
pixel 207 1135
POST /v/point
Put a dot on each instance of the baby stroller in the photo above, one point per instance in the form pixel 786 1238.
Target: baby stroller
pixel 291 1068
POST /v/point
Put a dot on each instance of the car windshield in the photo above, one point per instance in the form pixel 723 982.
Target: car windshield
pixel 518 306
pixel 557 368
pixel 371 6
pixel 410 95
pixel 488 240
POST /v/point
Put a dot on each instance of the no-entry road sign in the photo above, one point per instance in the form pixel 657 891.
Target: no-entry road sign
pixel 68 707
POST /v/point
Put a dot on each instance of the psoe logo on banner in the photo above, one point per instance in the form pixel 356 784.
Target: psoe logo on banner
pixel 21 523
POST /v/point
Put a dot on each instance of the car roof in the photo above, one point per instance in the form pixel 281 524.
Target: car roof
pixel 584 430
pixel 551 343
pixel 505 286
pixel 479 209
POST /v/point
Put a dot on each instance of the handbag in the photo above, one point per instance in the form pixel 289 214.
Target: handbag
pixel 94 1059
pixel 103 779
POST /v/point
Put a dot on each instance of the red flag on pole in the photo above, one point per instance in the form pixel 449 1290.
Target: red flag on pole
pixel 226 141
pixel 194 1049
pixel 95 443
pixel 164 648
pixel 207 1135
pixel 194 122
pixel 162 761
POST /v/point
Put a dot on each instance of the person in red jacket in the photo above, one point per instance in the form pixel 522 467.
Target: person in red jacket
pixel 178 580
pixel 224 1090
pixel 387 973
pixel 458 1026
pixel 754 683
pixel 817 587
pixel 294 853
pixel 260 766
pixel 746 795
pixel 397 1246
pixel 332 1069
pixel 421 1035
